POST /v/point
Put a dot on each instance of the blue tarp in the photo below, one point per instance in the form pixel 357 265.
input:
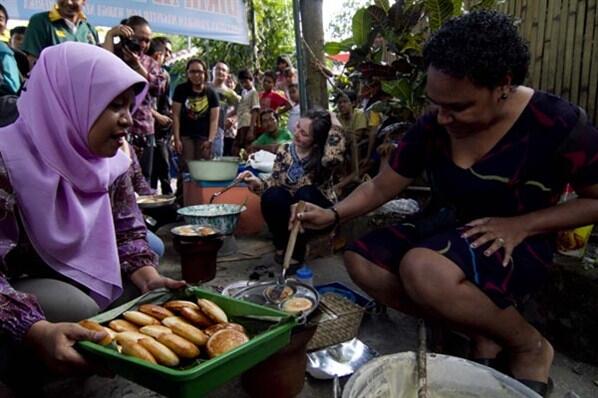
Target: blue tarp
pixel 211 19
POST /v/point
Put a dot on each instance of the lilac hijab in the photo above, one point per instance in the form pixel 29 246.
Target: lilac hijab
pixel 61 187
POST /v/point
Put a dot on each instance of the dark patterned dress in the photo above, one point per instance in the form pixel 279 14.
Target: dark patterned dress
pixel 524 172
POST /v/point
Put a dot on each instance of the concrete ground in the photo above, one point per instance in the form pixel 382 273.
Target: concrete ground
pixel 386 333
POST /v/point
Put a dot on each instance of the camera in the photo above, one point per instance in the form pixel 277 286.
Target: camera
pixel 132 44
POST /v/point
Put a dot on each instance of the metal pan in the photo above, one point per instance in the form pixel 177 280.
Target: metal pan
pixel 153 201
pixel 193 233
pixel 255 294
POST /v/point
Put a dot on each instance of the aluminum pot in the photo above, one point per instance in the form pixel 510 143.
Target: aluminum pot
pixel 220 169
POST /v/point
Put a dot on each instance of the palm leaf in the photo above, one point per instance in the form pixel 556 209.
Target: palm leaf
pixel 457 7
pixel 484 5
pixel 377 15
pixel 333 47
pixel 383 4
pixel 438 12
pixel 362 24
pixel 400 89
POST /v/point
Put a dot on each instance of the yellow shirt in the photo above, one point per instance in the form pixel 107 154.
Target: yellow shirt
pixel 356 124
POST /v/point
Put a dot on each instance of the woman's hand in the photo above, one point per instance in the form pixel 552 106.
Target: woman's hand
pixel 250 179
pixel 53 342
pixel 312 217
pixel 120 30
pixel 131 59
pixel 504 233
pixel 178 145
pixel 147 278
pixel 163 120
pixel 206 149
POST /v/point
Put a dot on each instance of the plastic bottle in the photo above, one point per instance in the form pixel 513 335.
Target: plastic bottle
pixel 305 275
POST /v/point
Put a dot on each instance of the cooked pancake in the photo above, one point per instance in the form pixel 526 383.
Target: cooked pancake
pixel 296 305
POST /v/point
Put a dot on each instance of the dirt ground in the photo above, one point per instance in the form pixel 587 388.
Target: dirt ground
pixel 388 332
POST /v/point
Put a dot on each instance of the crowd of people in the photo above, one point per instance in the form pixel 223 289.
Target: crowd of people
pixel 73 241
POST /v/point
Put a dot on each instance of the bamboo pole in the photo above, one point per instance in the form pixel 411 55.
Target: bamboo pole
pixel 540 40
pixel 561 52
pixel 593 89
pixel 550 46
pixel 588 67
pixel 578 46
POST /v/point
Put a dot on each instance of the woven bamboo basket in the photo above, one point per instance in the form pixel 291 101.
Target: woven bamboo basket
pixel 339 321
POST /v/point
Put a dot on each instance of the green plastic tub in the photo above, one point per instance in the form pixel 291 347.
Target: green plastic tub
pixel 269 330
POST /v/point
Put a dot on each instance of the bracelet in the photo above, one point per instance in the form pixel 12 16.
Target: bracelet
pixel 337 217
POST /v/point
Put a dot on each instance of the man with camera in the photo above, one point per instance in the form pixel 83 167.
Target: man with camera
pixel 134 35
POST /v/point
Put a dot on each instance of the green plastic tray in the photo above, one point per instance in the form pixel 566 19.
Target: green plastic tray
pixel 206 376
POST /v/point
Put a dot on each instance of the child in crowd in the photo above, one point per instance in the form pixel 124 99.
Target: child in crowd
pixel 273 136
pixel 228 99
pixel 270 99
pixel 283 62
pixel 357 135
pixel 295 112
pixel 290 77
pixel 247 111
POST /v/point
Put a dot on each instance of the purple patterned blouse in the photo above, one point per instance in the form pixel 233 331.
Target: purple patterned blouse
pixel 143 120
pixel 18 311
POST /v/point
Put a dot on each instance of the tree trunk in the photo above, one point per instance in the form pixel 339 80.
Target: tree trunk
pixel 253 42
pixel 313 33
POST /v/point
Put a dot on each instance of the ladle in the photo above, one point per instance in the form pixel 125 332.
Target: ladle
pixel 274 294
pixel 236 181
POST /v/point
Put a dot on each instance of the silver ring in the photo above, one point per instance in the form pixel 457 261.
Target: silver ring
pixel 501 241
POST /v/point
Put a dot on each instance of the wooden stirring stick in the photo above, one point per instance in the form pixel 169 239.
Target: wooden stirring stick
pixel 274 294
pixel 292 237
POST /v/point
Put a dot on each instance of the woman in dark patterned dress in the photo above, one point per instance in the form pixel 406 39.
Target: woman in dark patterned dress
pixel 499 154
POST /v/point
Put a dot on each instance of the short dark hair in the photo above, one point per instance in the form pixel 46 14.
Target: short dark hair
pixel 199 61
pixel 269 74
pixel 3 10
pixel 483 46
pixel 157 44
pixel 284 58
pixel 245 74
pixel 266 111
pixel 320 127
pixel 292 85
pixel 18 30
pixel 134 20
pixel 349 94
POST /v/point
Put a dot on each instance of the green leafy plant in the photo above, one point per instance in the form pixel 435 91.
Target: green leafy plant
pixel 404 25
pixel 274 37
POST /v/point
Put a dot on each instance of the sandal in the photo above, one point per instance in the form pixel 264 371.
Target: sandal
pixel 542 389
pixel 499 363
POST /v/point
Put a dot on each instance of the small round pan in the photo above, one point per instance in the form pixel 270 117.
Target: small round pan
pixel 153 201
pixel 192 232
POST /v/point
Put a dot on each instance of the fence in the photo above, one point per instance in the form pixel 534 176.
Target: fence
pixel 563 40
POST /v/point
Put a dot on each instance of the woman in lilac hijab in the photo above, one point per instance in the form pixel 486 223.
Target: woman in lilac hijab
pixel 71 237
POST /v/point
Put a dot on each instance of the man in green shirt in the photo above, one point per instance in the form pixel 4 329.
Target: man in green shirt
pixel 272 136
pixel 64 22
